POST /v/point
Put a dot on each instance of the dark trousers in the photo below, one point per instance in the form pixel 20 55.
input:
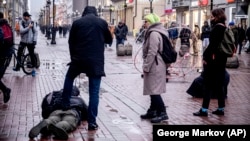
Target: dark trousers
pixel 31 49
pixel 157 103
pixel 214 80
pixel 4 63
pixel 94 87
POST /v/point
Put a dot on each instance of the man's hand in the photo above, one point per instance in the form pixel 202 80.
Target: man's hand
pixel 30 25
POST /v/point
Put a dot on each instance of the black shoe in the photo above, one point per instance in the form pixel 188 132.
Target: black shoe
pixel 150 114
pixel 16 69
pixel 200 113
pixel 92 127
pixel 6 95
pixel 218 112
pixel 59 133
pixel 162 116
pixel 34 132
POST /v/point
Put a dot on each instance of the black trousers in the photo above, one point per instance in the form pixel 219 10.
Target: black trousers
pixel 4 63
pixel 157 103
pixel 31 49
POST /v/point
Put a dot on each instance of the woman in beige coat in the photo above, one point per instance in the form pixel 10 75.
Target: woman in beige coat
pixel 154 69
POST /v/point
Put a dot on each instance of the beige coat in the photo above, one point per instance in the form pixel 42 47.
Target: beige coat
pixel 154 74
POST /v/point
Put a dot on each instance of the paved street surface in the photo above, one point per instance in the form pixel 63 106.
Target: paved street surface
pixel 121 99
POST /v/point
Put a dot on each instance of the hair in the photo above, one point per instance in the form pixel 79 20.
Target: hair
pixel 1 15
pixel 219 15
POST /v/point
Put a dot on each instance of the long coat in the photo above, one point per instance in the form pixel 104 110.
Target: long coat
pixel 86 43
pixel 154 67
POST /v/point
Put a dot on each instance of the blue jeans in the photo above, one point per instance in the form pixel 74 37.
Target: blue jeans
pixel 94 87
pixel 119 41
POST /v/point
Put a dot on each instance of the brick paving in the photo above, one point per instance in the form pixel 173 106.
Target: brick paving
pixel 121 99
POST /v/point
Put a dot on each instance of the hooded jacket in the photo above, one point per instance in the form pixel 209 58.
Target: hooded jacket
pixel 86 42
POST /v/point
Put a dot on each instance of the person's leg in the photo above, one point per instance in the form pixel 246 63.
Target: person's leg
pixel 94 87
pixel 219 89
pixel 152 111
pixel 73 71
pixel 240 47
pixel 31 49
pixel 69 122
pixel 161 109
pixel 207 90
pixel 5 90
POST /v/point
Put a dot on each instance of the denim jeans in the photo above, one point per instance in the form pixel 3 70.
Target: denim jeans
pixel 94 87
pixel 119 41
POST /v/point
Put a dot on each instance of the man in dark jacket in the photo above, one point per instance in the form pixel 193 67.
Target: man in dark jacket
pixel 5 58
pixel 121 31
pixel 86 45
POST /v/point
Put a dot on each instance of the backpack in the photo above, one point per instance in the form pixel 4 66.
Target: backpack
pixel 168 54
pixel 7 35
pixel 52 101
pixel 227 46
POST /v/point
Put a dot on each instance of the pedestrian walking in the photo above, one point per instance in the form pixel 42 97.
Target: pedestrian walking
pixel 235 32
pixel 205 32
pixel 214 65
pixel 5 56
pixel 60 29
pixel 154 69
pixel 28 34
pixel 121 32
pixel 87 37
pixel 242 37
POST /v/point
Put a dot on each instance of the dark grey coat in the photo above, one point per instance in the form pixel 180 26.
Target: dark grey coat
pixel 154 74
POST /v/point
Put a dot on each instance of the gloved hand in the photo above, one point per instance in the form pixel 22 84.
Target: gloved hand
pixel 34 42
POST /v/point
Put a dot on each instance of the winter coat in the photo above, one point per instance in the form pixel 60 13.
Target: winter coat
pixel 86 43
pixel 205 31
pixel 28 35
pixel 121 32
pixel 154 71
pixel 216 63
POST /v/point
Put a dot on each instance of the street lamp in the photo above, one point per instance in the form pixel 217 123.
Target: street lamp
pixel 151 9
pixel 48 25
pixel 125 8
pixel 53 41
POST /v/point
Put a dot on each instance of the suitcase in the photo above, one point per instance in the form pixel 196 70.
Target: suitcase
pixel 232 62
pixel 120 50
pixel 128 49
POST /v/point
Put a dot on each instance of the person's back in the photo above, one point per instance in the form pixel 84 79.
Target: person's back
pixel 86 40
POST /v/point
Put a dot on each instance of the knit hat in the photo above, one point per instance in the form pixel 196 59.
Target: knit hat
pixel 152 18
pixel 231 23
